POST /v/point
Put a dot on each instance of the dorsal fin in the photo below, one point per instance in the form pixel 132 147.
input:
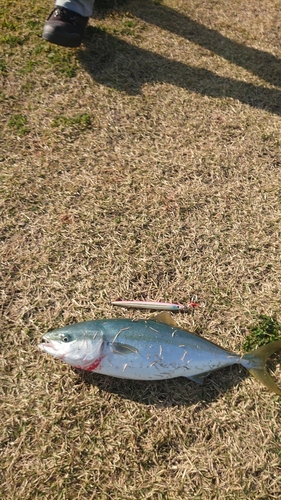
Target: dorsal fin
pixel 164 317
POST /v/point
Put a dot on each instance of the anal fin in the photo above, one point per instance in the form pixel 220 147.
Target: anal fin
pixel 197 378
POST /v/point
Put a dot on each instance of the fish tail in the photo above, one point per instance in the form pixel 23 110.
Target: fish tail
pixel 258 358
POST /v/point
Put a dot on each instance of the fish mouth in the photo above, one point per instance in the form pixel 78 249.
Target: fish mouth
pixel 46 344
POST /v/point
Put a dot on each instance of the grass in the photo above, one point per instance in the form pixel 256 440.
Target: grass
pixel 145 164
pixel 267 329
pixel 18 123
pixel 81 121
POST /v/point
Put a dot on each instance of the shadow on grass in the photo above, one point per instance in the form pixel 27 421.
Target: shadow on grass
pixel 173 392
pixel 125 67
pixel 258 62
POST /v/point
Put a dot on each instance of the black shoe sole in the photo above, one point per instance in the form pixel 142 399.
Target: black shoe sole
pixel 63 39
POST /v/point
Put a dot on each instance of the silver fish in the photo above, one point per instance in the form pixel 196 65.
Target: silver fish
pixel 151 349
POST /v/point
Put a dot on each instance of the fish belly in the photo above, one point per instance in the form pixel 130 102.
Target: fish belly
pixel 160 361
pixel 141 367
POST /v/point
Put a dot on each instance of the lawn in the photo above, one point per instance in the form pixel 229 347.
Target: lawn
pixel 144 165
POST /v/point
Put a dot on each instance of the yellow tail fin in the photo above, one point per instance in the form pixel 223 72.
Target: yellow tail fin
pixel 259 358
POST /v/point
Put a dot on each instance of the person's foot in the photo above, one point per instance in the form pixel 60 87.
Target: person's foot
pixel 65 27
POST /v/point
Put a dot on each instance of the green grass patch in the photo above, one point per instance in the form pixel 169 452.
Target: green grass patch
pixel 12 40
pixel 81 121
pixel 3 66
pixel 19 124
pixel 267 329
pixel 10 26
pixel 28 66
pixel 62 61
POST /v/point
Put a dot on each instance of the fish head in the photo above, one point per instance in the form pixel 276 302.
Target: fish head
pixel 59 343
pixel 73 346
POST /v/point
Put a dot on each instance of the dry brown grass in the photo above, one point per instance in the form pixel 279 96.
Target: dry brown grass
pixel 144 165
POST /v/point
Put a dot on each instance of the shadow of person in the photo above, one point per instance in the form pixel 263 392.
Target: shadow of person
pixel 165 393
pixel 259 62
pixel 125 67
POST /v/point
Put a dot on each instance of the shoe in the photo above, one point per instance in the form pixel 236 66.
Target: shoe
pixel 65 27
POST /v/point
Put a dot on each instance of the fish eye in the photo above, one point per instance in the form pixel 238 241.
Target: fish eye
pixel 66 337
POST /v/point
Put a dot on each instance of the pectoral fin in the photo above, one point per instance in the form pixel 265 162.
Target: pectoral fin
pixel 119 348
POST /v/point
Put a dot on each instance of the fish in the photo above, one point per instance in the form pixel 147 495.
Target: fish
pixel 150 349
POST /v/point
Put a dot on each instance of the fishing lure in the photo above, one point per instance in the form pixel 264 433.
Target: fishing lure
pixel 156 306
